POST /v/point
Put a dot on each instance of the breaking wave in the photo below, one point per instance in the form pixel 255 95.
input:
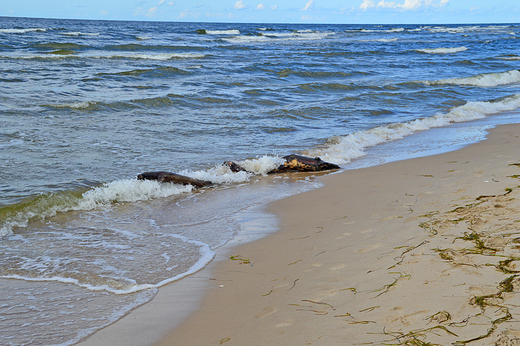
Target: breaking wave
pixel 442 50
pixel 483 80
pixel 344 149
pixel 122 191
pixel 21 31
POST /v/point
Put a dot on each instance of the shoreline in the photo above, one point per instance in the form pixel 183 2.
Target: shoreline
pixel 406 250
pixel 346 263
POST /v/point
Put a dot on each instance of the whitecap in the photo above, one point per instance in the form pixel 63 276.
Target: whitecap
pixel 442 50
pixel 161 56
pixel 344 149
pixel 78 33
pixel 102 197
pixel 483 80
pixel 223 32
pixel 21 31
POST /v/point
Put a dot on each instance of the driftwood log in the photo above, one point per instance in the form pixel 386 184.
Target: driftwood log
pixel 292 163
pixel 303 164
pixel 167 177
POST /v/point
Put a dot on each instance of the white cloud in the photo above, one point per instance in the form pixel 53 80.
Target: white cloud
pixel 384 4
pixel 308 5
pixel 171 3
pixel 274 7
pixel 151 11
pixel 239 5
pixel 103 13
pixel 161 2
pixel 367 4
pixel 260 7
pixel 408 5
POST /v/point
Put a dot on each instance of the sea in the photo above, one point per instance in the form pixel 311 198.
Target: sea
pixel 86 106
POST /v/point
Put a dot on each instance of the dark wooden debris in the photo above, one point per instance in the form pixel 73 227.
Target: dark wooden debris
pixel 303 164
pixel 168 177
pixel 234 167
pixel 293 163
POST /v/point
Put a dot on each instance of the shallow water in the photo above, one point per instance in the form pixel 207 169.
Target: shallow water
pixel 87 105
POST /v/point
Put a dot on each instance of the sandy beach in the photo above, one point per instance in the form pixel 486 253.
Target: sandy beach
pixel 415 252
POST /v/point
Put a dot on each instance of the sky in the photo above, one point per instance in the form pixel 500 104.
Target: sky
pixel 273 11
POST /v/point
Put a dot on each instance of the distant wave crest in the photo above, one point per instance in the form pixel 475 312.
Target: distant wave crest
pixel 483 80
pixel 21 31
pixel 442 50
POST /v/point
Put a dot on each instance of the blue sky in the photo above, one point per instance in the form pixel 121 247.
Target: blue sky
pixel 273 11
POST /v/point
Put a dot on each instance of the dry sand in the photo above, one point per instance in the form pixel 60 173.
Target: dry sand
pixel 416 252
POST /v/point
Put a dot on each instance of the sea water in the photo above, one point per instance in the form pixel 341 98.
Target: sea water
pixel 85 106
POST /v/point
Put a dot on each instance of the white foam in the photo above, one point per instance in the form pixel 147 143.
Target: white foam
pixel 75 105
pixel 143 38
pixel 160 56
pixel 302 35
pixel 221 174
pixel 126 190
pixel 247 39
pixel 466 29
pixel 78 33
pixel 21 31
pixel 381 40
pixel 442 50
pixel 223 32
pixel 206 255
pixel 345 149
pixel 484 80
pixel 512 58
pixel 263 164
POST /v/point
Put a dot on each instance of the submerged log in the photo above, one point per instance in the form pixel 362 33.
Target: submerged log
pixel 167 177
pixel 303 164
pixel 292 163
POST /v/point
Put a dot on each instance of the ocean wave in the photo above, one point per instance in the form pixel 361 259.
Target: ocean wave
pixel 509 57
pixel 73 55
pixel 466 29
pixel 381 40
pixel 74 105
pixel 123 191
pixel 312 74
pixel 38 271
pixel 483 80
pixel 104 196
pixel 155 72
pixel 442 50
pixel 21 31
pixel 78 33
pixel 160 56
pixel 143 38
pixel 223 32
pixel 58 45
pixel 342 150
pixel 300 35
pixel 303 35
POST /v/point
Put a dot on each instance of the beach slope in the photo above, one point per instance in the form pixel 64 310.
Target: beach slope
pixel 422 250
